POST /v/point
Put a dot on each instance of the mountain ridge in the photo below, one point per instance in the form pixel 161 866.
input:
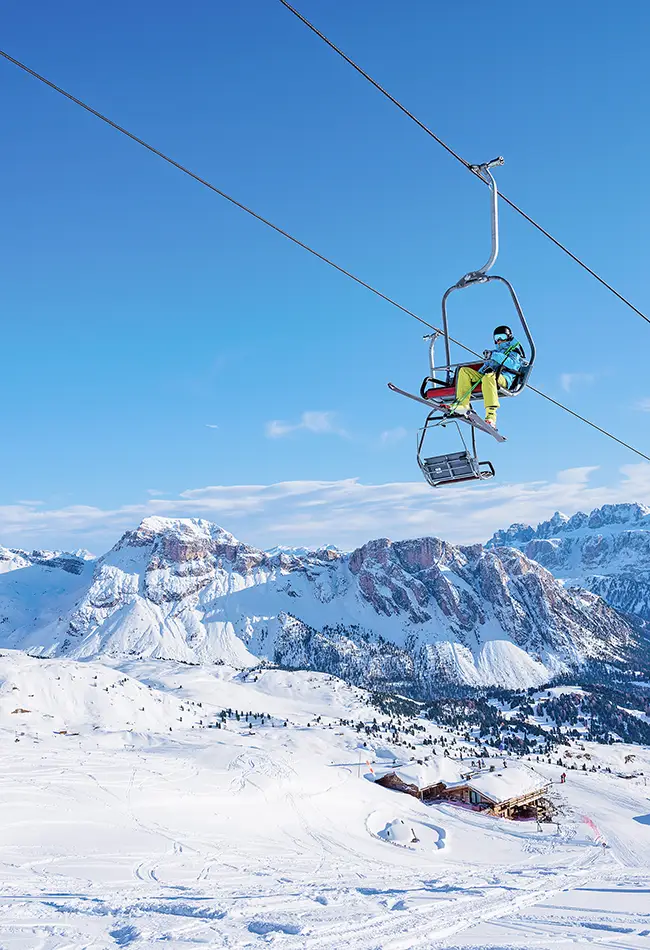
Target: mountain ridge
pixel 418 613
pixel 606 551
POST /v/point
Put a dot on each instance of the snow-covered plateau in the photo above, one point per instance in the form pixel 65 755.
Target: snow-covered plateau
pixel 153 803
pixel 409 616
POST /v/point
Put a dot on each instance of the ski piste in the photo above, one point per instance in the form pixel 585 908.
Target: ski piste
pixel 471 418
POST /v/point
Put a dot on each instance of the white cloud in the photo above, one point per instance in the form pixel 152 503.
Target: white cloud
pixel 346 512
pixel 392 436
pixel 275 429
pixel 569 380
pixel 643 405
pixel 321 423
pixel 210 425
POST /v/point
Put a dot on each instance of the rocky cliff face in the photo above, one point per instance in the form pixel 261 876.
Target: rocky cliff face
pixel 409 614
pixel 606 551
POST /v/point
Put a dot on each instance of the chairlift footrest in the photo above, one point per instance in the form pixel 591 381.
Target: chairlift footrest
pixel 471 419
pixel 455 467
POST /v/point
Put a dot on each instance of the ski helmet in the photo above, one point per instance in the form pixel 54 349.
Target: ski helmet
pixel 504 332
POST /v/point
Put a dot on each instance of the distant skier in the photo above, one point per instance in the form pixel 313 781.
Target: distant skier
pixel 507 358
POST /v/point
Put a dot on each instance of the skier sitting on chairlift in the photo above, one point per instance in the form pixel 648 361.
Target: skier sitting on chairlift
pixel 507 358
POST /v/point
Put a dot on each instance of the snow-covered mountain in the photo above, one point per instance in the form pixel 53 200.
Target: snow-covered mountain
pixel 405 614
pixel 302 551
pixel 606 551
pixel 13 558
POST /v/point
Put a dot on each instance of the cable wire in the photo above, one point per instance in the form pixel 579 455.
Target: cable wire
pixel 460 159
pixel 293 239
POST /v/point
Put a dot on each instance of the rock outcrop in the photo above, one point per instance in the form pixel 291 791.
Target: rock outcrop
pixel 606 551
pixel 406 614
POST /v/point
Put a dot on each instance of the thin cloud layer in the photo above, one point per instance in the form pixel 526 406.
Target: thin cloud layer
pixel 346 512
pixel 390 437
pixel 569 381
pixel 320 423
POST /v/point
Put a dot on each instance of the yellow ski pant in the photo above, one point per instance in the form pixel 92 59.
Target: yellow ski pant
pixel 467 377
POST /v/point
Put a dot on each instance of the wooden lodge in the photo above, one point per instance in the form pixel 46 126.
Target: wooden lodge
pixel 514 792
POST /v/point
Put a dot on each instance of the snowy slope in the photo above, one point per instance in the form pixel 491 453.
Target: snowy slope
pixel 271 836
pixel 606 551
pixel 38 590
pixel 408 614
pixel 42 696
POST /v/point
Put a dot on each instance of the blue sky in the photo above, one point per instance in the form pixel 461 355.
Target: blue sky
pixel 164 352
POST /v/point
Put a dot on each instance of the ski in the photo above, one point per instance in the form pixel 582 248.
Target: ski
pixel 471 418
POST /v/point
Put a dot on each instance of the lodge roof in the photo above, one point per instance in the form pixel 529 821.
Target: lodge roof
pixel 512 782
pixel 440 770
pixel 497 787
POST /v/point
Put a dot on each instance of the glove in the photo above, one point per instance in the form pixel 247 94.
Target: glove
pixel 487 354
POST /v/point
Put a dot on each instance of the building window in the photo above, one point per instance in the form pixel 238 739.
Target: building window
pixel 474 797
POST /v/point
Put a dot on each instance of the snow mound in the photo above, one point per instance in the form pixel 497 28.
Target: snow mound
pixel 398 830
pixel 408 830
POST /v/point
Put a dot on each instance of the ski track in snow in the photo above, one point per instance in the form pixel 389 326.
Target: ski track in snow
pixel 227 839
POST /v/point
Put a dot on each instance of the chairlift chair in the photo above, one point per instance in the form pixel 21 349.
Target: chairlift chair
pixel 438 390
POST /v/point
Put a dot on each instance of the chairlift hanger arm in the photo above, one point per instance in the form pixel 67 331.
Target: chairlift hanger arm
pixel 483 171
pixel 480 275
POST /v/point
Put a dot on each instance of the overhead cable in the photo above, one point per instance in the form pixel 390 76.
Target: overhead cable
pixel 459 158
pixel 291 238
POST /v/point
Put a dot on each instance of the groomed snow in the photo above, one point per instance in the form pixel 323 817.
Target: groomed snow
pixel 244 838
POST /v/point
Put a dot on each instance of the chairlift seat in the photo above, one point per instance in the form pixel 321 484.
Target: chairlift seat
pixel 448 393
pixel 456 467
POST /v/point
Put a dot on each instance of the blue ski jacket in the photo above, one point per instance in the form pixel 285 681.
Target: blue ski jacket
pixel 507 364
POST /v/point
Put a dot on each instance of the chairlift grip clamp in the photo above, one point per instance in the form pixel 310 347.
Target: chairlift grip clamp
pixel 473 277
pixel 499 160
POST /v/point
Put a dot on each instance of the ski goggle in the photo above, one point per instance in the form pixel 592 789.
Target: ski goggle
pixel 501 338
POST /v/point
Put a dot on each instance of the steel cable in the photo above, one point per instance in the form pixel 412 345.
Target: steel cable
pixel 460 159
pixel 293 239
